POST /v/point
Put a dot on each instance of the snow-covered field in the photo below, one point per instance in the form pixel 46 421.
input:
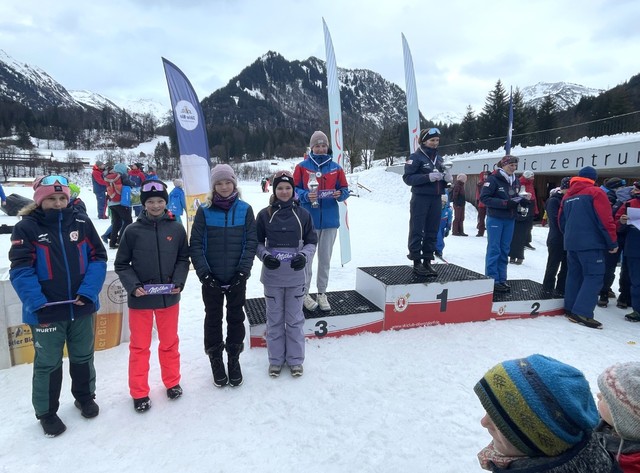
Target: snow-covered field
pixel 394 401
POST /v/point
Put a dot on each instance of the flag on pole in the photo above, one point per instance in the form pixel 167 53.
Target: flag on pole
pixel 413 112
pixel 335 122
pixel 192 138
pixel 507 146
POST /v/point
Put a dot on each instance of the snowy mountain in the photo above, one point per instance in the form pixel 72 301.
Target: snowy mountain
pixel 92 99
pixel 566 95
pixel 447 118
pixel 276 93
pixel 151 107
pixel 30 85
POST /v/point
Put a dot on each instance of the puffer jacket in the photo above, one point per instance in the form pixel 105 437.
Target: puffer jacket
pixel 585 218
pixel 629 233
pixel 56 255
pixel 284 229
pixel 223 242
pixel 153 251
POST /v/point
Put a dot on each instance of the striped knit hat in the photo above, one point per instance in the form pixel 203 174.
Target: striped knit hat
pixel 620 386
pixel 541 405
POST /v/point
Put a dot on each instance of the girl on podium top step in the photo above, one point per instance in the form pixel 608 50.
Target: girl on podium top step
pixel 286 243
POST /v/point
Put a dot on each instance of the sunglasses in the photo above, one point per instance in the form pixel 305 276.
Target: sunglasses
pixel 51 180
pixel 153 186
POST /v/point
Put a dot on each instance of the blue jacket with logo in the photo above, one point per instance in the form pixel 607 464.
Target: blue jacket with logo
pixel 496 192
pixel 56 255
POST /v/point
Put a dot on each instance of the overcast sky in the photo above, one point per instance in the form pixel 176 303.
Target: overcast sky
pixel 460 48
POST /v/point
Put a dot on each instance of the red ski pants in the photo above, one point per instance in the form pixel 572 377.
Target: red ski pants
pixel 141 325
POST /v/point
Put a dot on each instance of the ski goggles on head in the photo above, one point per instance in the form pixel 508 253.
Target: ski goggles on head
pixel 153 186
pixel 51 180
pixel 283 173
pixel 433 131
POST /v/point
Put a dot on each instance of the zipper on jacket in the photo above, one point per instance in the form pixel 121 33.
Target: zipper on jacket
pixel 66 265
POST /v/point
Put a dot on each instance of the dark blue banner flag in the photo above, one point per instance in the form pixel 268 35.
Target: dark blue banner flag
pixel 507 146
pixel 192 138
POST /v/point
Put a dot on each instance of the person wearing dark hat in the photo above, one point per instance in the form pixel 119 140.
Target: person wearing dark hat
pixel 501 195
pixel 286 244
pixel 628 227
pixel 322 203
pixel 222 248
pixel 58 267
pixel 153 263
pixel 482 209
pixel 619 407
pixel 100 188
pixel 426 173
pixel 588 233
pixel 541 416
pixel 557 256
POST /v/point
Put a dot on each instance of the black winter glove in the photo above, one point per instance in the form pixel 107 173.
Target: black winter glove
pixel 511 204
pixel 271 262
pixel 210 281
pixel 239 278
pixel 298 262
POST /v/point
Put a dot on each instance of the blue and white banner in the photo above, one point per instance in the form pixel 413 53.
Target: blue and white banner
pixel 413 112
pixel 335 120
pixel 507 146
pixel 192 138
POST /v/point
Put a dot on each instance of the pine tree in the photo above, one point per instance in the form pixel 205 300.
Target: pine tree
pixel 493 121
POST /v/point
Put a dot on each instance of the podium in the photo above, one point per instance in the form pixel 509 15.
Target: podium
pixel 394 298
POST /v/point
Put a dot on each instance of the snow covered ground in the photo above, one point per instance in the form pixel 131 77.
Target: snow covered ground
pixel 394 401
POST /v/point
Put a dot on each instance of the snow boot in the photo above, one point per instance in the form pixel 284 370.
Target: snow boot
pixel 174 392
pixel 52 425
pixel 429 269
pixel 88 408
pixel 419 269
pixel 603 300
pixel 220 378
pixel 142 405
pixel 233 363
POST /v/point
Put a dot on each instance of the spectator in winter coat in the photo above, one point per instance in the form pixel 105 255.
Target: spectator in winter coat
pixel 501 195
pixel 177 200
pixel 589 232
pixel 482 209
pixel 427 175
pixel 619 407
pixel 557 256
pixel 100 188
pixel 153 263
pixel 117 184
pixel 58 266
pixel 541 415
pixel 322 204
pixel 459 201
pixel 631 235
pixel 611 259
pixel 137 177
pixel 527 182
pixel 222 247
pixel 445 225
pixel 286 243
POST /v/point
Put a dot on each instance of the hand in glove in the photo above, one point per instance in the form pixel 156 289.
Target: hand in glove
pixel 210 281
pixel 447 176
pixel 512 204
pixel 298 262
pixel 435 176
pixel 239 278
pixel 271 262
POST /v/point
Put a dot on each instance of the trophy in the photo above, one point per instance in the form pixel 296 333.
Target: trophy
pixel 313 187
pixel 523 211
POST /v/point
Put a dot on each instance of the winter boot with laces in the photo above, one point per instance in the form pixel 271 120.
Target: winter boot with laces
pixel 220 378
pixel 233 363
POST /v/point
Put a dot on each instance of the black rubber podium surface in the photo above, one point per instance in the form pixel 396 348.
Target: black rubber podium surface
pixel 400 275
pixel 341 302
